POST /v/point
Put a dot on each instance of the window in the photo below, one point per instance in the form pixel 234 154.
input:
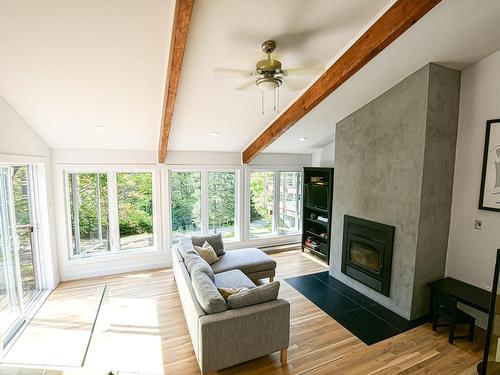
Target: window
pixel 185 206
pixel 111 211
pixel 135 209
pixel 203 202
pixel 290 201
pixel 261 203
pixel 89 212
pixel 222 203
pixel 275 199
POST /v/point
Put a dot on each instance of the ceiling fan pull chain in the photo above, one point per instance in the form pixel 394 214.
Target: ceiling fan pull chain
pixel 278 99
pixel 274 100
pixel 262 101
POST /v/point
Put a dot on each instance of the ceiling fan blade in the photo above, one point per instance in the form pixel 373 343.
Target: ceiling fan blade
pixel 312 68
pixel 246 86
pixel 232 72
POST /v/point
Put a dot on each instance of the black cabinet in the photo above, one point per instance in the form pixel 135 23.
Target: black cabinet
pixel 317 197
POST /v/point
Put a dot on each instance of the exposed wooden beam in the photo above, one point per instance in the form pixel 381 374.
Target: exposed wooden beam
pixel 180 29
pixel 394 22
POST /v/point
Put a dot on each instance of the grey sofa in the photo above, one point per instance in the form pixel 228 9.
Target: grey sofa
pixel 233 336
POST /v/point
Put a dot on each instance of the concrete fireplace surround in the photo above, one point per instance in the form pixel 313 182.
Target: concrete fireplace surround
pixel 394 164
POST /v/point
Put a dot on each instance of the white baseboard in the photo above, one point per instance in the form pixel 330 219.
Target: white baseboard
pixel 84 274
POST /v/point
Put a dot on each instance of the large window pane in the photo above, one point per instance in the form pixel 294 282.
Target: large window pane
pixel 185 207
pixel 261 203
pixel 290 200
pixel 89 212
pixel 20 192
pixel 135 209
pixel 222 203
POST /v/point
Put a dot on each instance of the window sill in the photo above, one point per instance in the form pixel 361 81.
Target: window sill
pixel 272 239
pixel 103 256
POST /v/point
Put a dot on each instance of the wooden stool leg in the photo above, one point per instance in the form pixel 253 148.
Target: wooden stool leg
pixel 284 356
pixel 451 332
pixel 471 331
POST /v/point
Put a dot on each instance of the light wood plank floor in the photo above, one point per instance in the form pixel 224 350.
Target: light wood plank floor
pixel 150 334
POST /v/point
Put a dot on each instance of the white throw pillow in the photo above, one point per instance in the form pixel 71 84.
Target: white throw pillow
pixel 207 252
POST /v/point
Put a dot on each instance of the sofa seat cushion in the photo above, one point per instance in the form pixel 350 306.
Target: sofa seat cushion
pixel 248 261
pixel 233 279
pixel 207 294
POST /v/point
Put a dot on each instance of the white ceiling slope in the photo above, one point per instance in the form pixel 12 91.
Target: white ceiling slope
pixel 456 34
pixel 69 65
pixel 228 33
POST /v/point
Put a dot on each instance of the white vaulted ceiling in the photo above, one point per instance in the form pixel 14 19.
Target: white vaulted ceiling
pixel 455 33
pixel 229 33
pixel 67 66
pixel 70 67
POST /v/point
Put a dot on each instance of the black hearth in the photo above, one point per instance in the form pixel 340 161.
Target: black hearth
pixel 367 252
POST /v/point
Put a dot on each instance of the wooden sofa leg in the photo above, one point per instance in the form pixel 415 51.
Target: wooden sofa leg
pixel 271 279
pixel 284 356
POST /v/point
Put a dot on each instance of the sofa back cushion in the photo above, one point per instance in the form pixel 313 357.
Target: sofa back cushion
pixel 195 262
pixel 254 296
pixel 185 246
pixel 207 294
pixel 214 240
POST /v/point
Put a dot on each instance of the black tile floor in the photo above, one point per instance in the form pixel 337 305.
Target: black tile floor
pixel 363 317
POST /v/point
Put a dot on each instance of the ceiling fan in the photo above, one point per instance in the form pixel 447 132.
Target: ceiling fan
pixel 269 73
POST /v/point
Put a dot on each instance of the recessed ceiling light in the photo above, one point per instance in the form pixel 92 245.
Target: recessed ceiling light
pixel 303 139
pixel 100 127
pixel 215 134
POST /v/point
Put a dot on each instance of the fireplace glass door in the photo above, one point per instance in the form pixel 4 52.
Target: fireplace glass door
pixel 365 253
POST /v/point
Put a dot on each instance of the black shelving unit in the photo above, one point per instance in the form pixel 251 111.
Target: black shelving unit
pixel 317 193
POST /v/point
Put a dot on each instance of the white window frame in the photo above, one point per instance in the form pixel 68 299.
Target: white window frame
pixel 204 170
pixel 114 230
pixel 276 191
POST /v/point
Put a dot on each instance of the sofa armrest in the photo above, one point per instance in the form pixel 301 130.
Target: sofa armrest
pixel 239 335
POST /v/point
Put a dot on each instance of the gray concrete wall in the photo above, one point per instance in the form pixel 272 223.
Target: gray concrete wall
pixel 437 184
pixel 380 157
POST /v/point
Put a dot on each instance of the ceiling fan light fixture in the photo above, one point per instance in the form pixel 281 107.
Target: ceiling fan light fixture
pixel 268 83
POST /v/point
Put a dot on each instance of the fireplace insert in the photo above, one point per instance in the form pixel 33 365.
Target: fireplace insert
pixel 367 252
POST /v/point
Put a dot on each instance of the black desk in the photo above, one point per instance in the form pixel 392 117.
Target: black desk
pixel 465 293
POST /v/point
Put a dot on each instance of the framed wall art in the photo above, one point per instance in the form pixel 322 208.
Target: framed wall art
pixel 489 198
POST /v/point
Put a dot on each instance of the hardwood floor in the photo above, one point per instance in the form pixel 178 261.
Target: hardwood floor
pixel 149 334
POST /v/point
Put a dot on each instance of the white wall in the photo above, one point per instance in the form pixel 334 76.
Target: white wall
pixel 472 253
pixel 18 143
pixel 324 157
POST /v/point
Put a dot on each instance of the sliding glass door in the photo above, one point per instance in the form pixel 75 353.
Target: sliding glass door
pixel 10 297
pixel 18 276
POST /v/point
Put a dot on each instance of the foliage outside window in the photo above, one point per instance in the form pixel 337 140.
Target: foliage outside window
pixel 191 214
pixel 135 209
pixel 222 203
pixel 261 203
pixel 185 190
pixel 89 212
pixel 290 198
pixel 268 216
pixel 98 226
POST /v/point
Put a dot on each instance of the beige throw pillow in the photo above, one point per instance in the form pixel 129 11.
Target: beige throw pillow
pixel 226 292
pixel 207 252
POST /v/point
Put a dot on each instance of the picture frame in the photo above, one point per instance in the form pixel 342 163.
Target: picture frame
pixel 489 196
